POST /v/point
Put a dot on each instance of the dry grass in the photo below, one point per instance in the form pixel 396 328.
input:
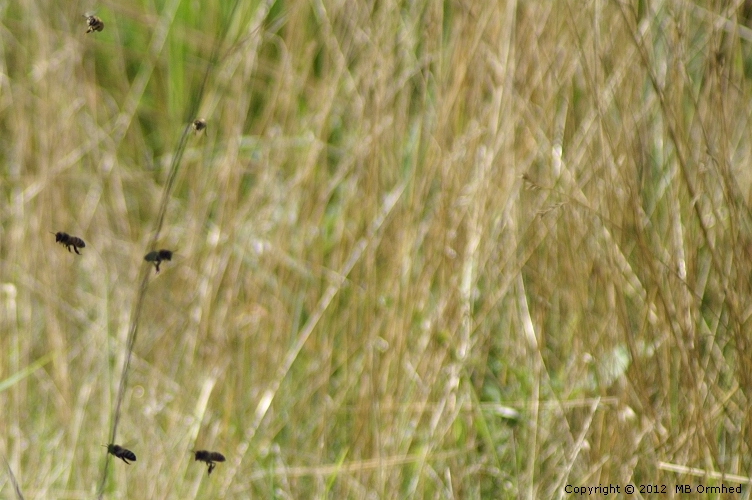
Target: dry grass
pixel 365 288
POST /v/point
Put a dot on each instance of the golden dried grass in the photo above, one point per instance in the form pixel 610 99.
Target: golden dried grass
pixel 368 300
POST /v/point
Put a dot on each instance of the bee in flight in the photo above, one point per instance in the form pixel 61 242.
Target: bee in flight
pixel 199 124
pixel 121 453
pixel 209 457
pixel 69 241
pixel 94 23
pixel 157 256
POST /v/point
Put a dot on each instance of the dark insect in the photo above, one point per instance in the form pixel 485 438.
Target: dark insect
pixel 209 457
pixel 157 256
pixel 94 23
pixel 121 453
pixel 199 124
pixel 69 241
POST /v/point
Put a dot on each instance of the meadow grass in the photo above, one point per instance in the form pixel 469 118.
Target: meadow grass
pixel 423 249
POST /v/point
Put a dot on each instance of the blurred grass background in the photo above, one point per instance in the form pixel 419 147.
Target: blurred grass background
pixel 423 249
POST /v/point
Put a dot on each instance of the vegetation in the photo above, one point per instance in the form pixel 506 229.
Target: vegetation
pixel 423 249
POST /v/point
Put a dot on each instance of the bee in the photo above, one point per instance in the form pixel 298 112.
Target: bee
pixel 157 256
pixel 209 457
pixel 94 23
pixel 121 453
pixel 199 124
pixel 69 241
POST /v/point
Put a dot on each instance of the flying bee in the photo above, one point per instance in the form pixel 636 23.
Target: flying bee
pixel 94 23
pixel 121 453
pixel 69 241
pixel 157 256
pixel 199 124
pixel 209 457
